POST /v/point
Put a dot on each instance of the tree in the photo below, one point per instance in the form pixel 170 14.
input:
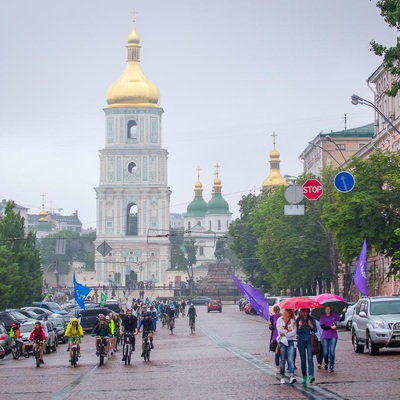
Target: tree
pixel 390 11
pixel 21 274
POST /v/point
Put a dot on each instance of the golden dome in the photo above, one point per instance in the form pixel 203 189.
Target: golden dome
pixel 198 185
pixel 133 89
pixel 274 154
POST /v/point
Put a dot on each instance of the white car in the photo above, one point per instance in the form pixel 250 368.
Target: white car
pixel 51 341
pixel 348 318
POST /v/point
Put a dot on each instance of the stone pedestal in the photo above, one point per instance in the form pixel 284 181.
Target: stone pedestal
pixel 218 281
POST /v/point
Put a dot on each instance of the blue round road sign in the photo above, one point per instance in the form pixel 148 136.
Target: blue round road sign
pixel 344 182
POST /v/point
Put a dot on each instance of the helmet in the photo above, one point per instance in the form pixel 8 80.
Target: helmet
pixel 147 314
pixel 38 322
pixel 74 320
pixel 107 318
pixel 101 316
pixel 191 305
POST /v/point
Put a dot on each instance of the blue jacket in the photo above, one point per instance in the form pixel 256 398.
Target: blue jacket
pixel 304 332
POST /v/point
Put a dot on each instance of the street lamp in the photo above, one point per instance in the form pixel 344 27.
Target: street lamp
pixel 359 100
pixel 320 147
pixel 329 139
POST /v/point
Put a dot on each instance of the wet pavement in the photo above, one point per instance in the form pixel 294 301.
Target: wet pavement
pixel 226 358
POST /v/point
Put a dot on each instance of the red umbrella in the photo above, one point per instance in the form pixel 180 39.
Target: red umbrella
pixel 329 297
pixel 295 303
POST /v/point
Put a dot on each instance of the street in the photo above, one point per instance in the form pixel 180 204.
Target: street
pixel 227 358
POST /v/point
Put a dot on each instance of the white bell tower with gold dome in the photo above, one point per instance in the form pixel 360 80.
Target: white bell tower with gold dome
pixel 133 196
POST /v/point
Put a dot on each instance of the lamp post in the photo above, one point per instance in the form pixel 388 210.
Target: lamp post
pixel 359 100
pixel 320 147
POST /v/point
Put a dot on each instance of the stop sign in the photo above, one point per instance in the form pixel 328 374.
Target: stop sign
pixel 312 189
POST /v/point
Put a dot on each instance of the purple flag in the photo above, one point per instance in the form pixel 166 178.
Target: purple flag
pixel 360 275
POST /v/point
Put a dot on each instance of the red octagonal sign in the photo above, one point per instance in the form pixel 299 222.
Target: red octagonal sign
pixel 312 189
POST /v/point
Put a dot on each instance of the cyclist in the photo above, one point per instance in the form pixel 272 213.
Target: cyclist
pixel 149 327
pixel 129 325
pixel 101 329
pixel 183 307
pixel 111 326
pixel 74 330
pixel 15 333
pixel 192 315
pixel 117 323
pixel 37 334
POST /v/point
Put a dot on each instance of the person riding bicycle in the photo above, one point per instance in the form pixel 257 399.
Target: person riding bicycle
pixel 149 327
pixel 15 333
pixel 192 314
pixel 183 307
pixel 37 334
pixel 74 330
pixel 101 330
pixel 129 325
pixel 111 326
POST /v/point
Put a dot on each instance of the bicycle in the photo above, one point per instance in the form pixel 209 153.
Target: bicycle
pixel 164 319
pixel 75 356
pixel 192 324
pixel 172 325
pixel 101 344
pixel 147 347
pixel 127 349
pixel 36 351
pixel 16 350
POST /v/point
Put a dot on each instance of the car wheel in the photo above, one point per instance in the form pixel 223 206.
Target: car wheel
pixel 206 303
pixel 373 348
pixel 358 348
pixel 220 310
pixel 348 325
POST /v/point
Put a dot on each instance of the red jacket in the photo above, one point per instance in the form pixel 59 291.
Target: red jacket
pixel 37 334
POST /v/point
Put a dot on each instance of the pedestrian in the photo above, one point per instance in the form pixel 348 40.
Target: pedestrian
pixel 274 335
pixel 306 326
pixel 318 334
pixel 287 330
pixel 329 322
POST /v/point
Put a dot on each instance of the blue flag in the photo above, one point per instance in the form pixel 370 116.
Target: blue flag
pixel 360 275
pixel 81 293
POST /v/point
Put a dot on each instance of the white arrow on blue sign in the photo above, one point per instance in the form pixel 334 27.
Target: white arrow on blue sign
pixel 344 182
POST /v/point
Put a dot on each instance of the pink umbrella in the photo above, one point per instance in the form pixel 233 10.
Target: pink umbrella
pixel 328 297
pixel 295 303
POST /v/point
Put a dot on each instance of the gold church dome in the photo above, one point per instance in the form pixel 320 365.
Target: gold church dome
pixel 133 89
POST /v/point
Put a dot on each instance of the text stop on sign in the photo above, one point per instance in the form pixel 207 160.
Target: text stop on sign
pixel 312 189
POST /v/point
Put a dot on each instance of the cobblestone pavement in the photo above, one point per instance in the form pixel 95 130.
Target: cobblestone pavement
pixel 227 358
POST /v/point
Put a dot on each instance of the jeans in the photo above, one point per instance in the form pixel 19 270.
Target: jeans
pixel 287 354
pixel 329 346
pixel 306 357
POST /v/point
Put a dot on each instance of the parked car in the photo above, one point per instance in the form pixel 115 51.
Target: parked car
pixel 8 317
pixel 348 317
pixel 112 305
pixel 51 306
pixel 214 305
pixel 29 314
pixel 376 324
pixel 51 341
pixel 248 309
pixel 200 300
pixel 60 326
pixel 39 311
pixel 273 300
pixel 5 341
pixel 89 317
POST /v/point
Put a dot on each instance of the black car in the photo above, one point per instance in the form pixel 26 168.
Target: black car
pixel 89 317
pixel 60 326
pixel 10 317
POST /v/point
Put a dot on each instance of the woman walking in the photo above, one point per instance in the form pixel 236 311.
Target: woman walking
pixel 274 334
pixel 329 322
pixel 306 326
pixel 287 330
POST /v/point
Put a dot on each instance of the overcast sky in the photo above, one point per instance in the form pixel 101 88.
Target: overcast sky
pixel 230 73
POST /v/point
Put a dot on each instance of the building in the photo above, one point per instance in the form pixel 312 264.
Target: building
pixel 58 222
pixel 275 178
pixel 335 148
pixel 23 211
pixel 133 195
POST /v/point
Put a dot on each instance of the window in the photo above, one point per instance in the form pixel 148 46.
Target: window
pixel 341 146
pixel 132 167
pixel 132 130
pixel 219 225
pixel 209 225
pixel 132 220
pixel 201 251
pixel 189 226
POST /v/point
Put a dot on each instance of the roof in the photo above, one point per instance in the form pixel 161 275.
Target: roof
pixel 366 131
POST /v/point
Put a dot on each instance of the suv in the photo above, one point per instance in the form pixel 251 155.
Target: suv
pixel 376 324
pixel 89 317
pixel 8 318
pixel 51 306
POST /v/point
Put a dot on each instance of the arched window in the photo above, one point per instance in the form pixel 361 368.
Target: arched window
pixel 201 251
pixel 209 225
pixel 132 167
pixel 132 220
pixel 132 130
pixel 219 225
pixel 189 226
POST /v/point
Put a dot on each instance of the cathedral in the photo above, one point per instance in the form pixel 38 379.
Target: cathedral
pixel 133 197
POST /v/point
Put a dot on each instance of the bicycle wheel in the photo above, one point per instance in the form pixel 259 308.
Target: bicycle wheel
pixel 101 359
pixel 126 353
pixel 74 356
pixel 37 358
pixel 15 353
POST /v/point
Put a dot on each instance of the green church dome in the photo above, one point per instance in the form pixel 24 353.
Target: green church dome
pixel 197 207
pixel 218 205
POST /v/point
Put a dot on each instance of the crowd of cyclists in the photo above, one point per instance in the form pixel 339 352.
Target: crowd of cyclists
pixel 115 328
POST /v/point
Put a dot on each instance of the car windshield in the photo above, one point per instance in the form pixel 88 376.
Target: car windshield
pixel 57 322
pixel 25 328
pixel 385 307
pixel 54 306
pixel 18 315
pixel 271 301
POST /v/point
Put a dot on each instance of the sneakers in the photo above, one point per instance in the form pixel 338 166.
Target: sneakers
pixel 151 345
pixel 41 361
pixel 292 380
pixel 319 366
pixel 123 358
pixel 326 367
pixel 332 369
pixel 142 355
pixel 282 380
pixel 304 380
pixel 312 379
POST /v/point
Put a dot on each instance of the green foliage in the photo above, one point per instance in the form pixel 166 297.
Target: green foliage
pixel 183 252
pixel 21 272
pixel 390 11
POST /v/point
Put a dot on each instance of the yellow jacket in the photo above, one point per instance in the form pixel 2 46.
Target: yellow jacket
pixel 74 331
